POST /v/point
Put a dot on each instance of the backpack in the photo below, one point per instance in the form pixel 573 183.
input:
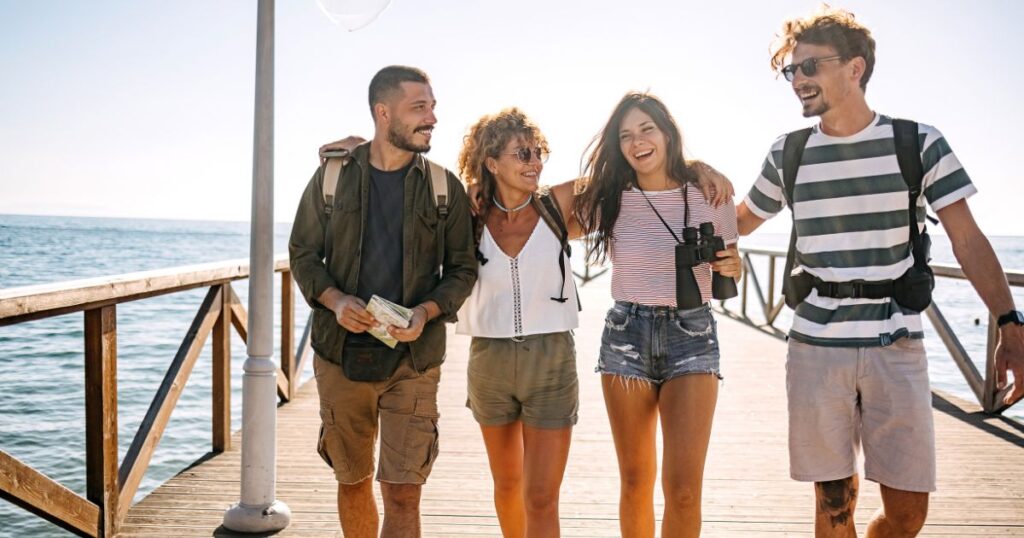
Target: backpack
pixel 438 181
pixel 911 290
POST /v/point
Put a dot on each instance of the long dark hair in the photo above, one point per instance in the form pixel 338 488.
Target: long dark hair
pixel 606 173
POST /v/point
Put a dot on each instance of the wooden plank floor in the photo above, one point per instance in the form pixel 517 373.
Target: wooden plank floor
pixel 747 490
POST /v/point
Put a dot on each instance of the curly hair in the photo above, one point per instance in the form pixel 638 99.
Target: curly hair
pixel 829 26
pixel 488 138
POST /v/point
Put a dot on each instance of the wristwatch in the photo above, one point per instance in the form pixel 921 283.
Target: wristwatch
pixel 1013 316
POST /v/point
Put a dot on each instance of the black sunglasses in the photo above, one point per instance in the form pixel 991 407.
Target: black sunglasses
pixel 808 66
pixel 525 155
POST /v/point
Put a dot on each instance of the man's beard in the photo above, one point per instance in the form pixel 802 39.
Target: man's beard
pixel 400 136
pixel 816 109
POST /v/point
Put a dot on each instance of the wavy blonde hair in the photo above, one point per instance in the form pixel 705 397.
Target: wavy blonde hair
pixel 834 27
pixel 488 138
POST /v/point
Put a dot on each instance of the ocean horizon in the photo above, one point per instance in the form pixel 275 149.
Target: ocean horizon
pixel 41 362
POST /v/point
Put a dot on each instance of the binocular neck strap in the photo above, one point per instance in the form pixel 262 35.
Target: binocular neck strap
pixel 686 210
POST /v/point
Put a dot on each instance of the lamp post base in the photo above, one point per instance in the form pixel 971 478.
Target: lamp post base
pixel 243 518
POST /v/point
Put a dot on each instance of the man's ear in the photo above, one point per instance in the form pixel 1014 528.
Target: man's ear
pixel 857 67
pixel 381 112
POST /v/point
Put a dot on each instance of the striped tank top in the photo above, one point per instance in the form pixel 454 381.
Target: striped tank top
pixel 643 251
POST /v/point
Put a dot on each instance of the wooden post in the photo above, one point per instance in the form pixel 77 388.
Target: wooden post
pixel 288 334
pixel 101 464
pixel 222 373
pixel 989 402
pixel 771 282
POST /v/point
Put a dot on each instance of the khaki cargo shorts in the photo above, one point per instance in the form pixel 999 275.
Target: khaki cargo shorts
pixel 845 398
pixel 533 380
pixel 404 406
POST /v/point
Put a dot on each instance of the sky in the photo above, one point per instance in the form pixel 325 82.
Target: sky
pixel 144 109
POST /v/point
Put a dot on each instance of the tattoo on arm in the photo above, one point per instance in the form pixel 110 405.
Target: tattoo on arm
pixel 836 500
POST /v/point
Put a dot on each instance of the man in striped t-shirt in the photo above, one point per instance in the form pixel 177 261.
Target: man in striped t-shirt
pixel 856 370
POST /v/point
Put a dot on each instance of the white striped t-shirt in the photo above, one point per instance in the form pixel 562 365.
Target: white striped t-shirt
pixel 643 251
pixel 852 223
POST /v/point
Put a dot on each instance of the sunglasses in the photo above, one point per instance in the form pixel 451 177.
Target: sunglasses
pixel 808 66
pixel 525 155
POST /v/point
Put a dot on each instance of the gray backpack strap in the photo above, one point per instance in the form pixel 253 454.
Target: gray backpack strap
pixel 332 171
pixel 333 167
pixel 438 181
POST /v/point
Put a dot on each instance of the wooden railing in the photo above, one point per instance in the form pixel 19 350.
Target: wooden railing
pixel 771 304
pixel 110 485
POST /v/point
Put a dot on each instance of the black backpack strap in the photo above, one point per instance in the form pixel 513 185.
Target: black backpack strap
pixel 551 214
pixel 792 154
pixel 908 153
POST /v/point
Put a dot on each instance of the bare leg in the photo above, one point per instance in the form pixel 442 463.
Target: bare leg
pixel 902 514
pixel 546 453
pixel 357 510
pixel 401 510
pixel 835 503
pixel 687 405
pixel 505 455
pixel 633 414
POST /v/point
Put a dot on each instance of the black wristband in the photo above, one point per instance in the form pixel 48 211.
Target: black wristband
pixel 1013 316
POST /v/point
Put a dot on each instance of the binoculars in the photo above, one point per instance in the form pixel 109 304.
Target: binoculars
pixel 699 246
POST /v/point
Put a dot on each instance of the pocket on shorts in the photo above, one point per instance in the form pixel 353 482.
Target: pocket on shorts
pixel 696 322
pixel 617 319
pixel 328 446
pixel 421 437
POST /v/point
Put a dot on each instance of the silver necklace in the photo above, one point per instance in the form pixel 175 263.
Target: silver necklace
pixel 514 209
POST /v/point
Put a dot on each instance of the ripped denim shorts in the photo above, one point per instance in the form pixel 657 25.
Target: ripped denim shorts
pixel 657 343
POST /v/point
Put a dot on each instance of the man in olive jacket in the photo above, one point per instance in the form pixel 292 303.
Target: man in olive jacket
pixel 381 238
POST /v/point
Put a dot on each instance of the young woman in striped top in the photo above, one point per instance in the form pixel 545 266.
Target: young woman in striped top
pixel 655 359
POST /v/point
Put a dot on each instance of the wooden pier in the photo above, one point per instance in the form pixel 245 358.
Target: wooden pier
pixel 747 489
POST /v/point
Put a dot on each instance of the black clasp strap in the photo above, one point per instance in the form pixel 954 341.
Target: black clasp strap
pixel 853 290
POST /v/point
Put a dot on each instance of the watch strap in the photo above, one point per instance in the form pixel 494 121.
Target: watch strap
pixel 1013 316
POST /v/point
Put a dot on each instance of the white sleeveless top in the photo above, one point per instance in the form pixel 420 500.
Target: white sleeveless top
pixel 512 296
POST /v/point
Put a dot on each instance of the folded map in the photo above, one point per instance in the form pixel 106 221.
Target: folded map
pixel 387 313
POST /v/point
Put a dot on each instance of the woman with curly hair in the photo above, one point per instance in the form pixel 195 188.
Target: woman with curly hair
pixel 523 389
pixel 637 195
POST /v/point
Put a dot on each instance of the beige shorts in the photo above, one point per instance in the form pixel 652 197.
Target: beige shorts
pixel 405 406
pixel 533 380
pixel 845 398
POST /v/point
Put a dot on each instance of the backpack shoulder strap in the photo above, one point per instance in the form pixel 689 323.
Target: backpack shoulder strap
pixel 438 182
pixel 551 214
pixel 908 153
pixel 333 168
pixel 332 171
pixel 792 154
pixel 439 187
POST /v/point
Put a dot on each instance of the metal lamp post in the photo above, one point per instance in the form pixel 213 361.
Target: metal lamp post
pixel 258 510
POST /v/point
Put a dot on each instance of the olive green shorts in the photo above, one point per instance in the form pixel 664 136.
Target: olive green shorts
pixel 532 380
pixel 404 407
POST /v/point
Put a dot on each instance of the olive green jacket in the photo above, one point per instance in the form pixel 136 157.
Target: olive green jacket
pixel 325 252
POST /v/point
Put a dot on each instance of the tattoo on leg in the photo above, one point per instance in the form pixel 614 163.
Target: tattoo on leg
pixel 835 499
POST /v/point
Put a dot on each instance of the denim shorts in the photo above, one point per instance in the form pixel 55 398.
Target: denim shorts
pixel 657 343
